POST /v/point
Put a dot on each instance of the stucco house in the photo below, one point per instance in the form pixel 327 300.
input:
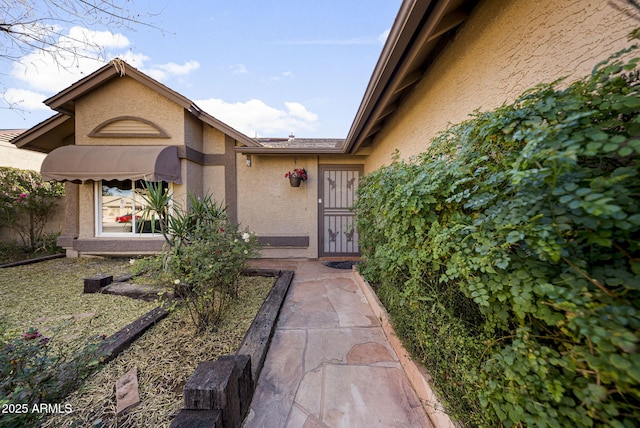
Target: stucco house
pixel 443 59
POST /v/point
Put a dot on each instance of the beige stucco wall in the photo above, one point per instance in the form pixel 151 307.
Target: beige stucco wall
pixel 55 225
pixel 126 97
pixel 505 48
pixel 213 140
pixel 269 206
pixel 14 157
pixel 214 182
pixel 86 210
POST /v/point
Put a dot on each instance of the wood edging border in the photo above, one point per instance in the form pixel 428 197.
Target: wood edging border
pixel 417 374
pixel 119 341
pixel 258 337
pixel 232 389
pixel 34 260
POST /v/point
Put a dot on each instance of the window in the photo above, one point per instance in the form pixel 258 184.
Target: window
pixel 120 208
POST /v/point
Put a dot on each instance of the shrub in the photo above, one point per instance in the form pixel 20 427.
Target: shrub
pixel 210 266
pixel 27 203
pixel 206 254
pixel 33 372
pixel 12 251
pixel 532 212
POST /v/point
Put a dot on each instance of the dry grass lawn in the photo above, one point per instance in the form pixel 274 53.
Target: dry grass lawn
pixel 49 295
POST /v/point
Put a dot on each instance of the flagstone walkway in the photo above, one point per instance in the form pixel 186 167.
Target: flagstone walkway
pixel 330 363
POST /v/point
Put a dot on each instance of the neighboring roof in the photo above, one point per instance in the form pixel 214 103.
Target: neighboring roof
pixel 419 32
pixel 293 145
pixel 81 163
pixel 6 135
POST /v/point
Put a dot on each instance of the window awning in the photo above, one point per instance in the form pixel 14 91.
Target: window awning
pixel 81 163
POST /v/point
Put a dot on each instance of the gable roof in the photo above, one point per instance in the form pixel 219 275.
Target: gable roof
pixel 64 103
pixel 419 33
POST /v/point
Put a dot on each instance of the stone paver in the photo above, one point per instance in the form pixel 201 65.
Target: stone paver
pixel 330 363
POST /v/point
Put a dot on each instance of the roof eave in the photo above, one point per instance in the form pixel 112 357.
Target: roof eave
pixel 401 65
pixel 64 101
pixel 25 139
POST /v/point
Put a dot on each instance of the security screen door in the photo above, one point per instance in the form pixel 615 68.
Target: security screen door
pixel 338 236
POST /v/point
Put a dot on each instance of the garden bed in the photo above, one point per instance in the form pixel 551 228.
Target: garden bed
pixel 165 356
pixel 48 296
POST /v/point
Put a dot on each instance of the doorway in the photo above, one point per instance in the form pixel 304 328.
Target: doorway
pixel 337 232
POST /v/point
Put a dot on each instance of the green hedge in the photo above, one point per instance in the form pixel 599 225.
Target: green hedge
pixel 508 255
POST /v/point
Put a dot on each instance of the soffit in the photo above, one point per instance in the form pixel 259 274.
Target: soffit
pixel 419 33
pixel 49 134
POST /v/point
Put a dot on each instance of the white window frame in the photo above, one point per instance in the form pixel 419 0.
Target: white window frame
pixel 97 191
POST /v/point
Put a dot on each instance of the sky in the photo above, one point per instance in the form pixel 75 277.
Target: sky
pixel 268 68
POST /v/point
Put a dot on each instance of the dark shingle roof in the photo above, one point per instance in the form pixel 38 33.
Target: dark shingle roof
pixel 301 143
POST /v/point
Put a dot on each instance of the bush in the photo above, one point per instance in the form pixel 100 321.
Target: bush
pixel 532 212
pixel 13 251
pixel 27 203
pixel 34 373
pixel 206 254
pixel 209 268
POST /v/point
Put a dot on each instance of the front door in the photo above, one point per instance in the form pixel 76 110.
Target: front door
pixel 338 236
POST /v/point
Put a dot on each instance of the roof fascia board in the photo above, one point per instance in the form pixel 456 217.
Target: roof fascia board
pixel 40 129
pixel 80 87
pixel 404 25
pixel 390 81
pixel 109 71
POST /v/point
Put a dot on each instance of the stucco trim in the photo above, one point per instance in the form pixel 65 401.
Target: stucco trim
pixel 284 241
pixel 230 178
pixel 203 159
pixel 118 246
pixel 143 124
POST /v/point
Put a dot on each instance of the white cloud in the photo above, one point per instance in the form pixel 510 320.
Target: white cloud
pixel 174 69
pixel 163 72
pixel 254 117
pixel 238 69
pixel 382 38
pixel 76 54
pixel 80 36
pixel 300 111
pixel 24 99
pixel 81 52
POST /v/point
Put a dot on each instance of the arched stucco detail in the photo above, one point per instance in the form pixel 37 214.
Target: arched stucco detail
pixel 128 127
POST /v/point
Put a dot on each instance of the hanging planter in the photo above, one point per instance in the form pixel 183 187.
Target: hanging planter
pixel 296 177
pixel 295 181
